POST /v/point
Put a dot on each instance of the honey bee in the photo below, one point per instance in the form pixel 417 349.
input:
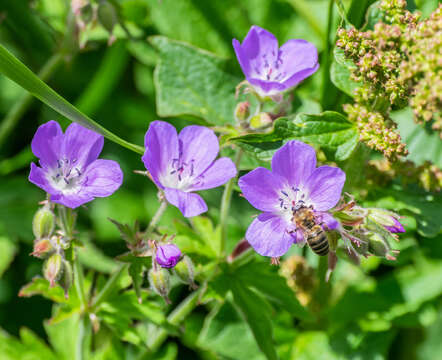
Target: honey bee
pixel 304 219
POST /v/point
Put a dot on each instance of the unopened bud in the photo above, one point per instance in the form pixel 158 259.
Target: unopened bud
pixel 87 14
pixel 168 255
pixel 107 15
pixel 260 120
pixel 377 245
pixel 387 219
pixel 159 280
pixel 42 247
pixel 242 111
pixel 53 268
pixel 67 277
pixel 43 223
pixel 185 270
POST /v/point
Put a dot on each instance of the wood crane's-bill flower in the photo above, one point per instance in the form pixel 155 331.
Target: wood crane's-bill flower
pixel 70 170
pixel 271 69
pixel 294 181
pixel 183 163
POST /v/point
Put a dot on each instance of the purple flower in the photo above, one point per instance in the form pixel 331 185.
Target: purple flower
pixel 168 255
pixel 69 169
pixel 184 163
pixel 293 182
pixel 272 70
pixel 396 228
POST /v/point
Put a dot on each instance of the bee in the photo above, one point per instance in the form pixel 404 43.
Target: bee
pixel 304 219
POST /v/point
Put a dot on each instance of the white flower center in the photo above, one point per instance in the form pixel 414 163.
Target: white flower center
pixel 291 199
pixel 270 70
pixel 66 177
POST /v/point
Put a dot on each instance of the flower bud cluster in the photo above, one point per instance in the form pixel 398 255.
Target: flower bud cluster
pixel 427 175
pixel 367 231
pixel 397 63
pixel 51 245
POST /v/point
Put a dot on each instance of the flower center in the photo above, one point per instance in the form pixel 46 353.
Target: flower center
pixel 291 199
pixel 66 176
pixel 269 70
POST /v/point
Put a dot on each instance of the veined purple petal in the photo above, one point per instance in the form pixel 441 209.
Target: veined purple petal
pixel 37 176
pixel 324 187
pixel 161 142
pixel 199 146
pixel 267 88
pixel 268 235
pixel 81 145
pixel 46 143
pixel 396 228
pixel 261 189
pixel 102 178
pixel 299 59
pixel 221 171
pixel 295 161
pixel 190 204
pixel 296 78
pixel 72 200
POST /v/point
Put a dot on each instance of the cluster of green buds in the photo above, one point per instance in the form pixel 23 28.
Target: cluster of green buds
pixel 51 245
pixel 366 231
pixel 398 64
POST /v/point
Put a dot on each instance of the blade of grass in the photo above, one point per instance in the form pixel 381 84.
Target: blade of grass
pixel 14 69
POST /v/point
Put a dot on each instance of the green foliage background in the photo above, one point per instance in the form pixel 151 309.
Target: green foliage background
pixel 180 66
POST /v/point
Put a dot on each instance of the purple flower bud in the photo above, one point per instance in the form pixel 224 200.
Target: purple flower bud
pixel 396 228
pixel 168 255
pixel 271 69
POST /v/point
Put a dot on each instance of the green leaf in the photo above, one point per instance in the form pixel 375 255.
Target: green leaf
pixel 7 253
pixel 329 130
pixel 40 286
pixel 340 72
pixel 136 273
pixel 261 277
pixel 422 144
pixel 220 333
pixel 256 313
pixel 14 69
pixel 30 347
pixel 191 81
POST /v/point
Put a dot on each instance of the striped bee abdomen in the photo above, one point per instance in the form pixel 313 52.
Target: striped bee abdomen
pixel 317 240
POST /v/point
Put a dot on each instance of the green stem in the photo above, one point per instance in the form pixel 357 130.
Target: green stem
pixel 225 204
pixel 305 11
pixel 174 318
pixel 19 108
pixel 326 56
pixel 108 287
pixel 79 281
pixel 156 218
pixel 14 69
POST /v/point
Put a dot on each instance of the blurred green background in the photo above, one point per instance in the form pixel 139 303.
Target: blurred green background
pixel 398 305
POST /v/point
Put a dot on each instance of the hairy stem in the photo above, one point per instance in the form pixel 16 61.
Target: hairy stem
pixel 225 204
pixel 156 218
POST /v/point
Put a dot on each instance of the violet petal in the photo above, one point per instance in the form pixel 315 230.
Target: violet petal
pixel 261 189
pixel 46 143
pixel 267 234
pixel 295 161
pixel 325 186
pixel 199 147
pixel 161 142
pixel 189 204
pixel 104 177
pixel 81 145
pixel 221 171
